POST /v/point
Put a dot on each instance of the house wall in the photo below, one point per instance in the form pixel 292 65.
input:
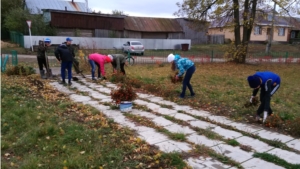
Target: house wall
pixel 229 34
pixel 75 32
pixel 103 33
pixel 193 31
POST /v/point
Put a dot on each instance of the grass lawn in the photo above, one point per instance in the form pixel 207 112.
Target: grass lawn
pixel 223 90
pixel 42 128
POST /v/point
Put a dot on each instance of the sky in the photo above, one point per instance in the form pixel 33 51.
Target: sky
pixel 143 8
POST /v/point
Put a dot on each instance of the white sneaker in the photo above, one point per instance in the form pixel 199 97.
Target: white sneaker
pixel 265 116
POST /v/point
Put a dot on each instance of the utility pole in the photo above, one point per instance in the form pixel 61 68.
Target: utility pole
pixel 270 38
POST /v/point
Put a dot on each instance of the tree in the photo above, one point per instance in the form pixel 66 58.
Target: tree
pixel 231 12
pixel 117 12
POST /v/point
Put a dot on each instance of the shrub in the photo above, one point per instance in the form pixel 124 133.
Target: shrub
pixel 20 70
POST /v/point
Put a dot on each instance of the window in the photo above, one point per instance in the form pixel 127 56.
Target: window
pixel 293 34
pixel 270 17
pixel 281 31
pixel 257 30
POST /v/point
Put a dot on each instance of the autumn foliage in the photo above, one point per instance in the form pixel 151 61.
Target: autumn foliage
pixel 124 92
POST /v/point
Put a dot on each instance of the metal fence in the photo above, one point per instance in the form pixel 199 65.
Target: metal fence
pixel 17 37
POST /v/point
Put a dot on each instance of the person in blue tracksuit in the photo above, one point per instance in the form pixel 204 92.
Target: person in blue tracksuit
pixel 186 66
pixel 269 83
pixel 65 57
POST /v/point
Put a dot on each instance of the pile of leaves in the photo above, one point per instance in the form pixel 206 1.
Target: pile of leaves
pixel 20 70
pixel 174 80
pixel 124 92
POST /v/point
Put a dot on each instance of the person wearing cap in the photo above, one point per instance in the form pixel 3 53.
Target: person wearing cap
pixel 65 57
pixel 75 61
pixel 41 56
pixel 101 60
pixel 118 62
pixel 186 66
pixel 269 83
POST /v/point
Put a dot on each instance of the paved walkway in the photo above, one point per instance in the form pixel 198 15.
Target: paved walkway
pixel 98 95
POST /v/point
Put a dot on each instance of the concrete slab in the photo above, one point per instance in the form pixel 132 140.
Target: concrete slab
pixel 245 127
pixel 288 156
pixel 165 102
pixel 153 106
pixel 175 128
pixel 61 88
pixel 108 100
pixel 202 124
pixel 144 96
pixel 229 134
pixel 257 145
pixel 272 136
pixel 97 95
pixel 220 119
pixel 143 113
pixel 256 163
pixel 79 98
pixel 155 99
pixel 182 108
pixel 166 111
pixel 233 152
pixel 91 102
pixel 124 122
pixel 206 163
pixel 173 146
pixel 100 107
pixel 202 140
pixel 140 102
pixel 103 90
pixel 183 117
pixel 160 121
pixel 110 85
pixel 152 137
pixel 295 144
pixel 112 113
pixel 199 113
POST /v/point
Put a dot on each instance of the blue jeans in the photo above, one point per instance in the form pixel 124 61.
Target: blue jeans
pixel 186 81
pixel 64 66
pixel 93 65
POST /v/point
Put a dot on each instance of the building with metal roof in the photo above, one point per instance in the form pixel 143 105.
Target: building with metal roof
pixel 36 6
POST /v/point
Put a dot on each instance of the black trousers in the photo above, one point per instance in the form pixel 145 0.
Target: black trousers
pixel 265 99
pixel 122 68
pixel 42 62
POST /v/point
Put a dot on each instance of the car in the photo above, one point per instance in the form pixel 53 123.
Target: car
pixel 133 47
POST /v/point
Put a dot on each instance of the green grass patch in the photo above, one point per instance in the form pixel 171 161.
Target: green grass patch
pixel 55 133
pixel 233 142
pixel 276 160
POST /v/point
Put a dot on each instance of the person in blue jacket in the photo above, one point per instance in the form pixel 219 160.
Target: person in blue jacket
pixel 186 66
pixel 269 83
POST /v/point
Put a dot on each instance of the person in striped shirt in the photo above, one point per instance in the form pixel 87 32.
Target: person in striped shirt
pixel 269 83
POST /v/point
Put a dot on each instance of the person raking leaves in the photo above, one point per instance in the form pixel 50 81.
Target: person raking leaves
pixel 269 83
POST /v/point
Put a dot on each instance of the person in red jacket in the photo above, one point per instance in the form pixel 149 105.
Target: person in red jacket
pixel 100 60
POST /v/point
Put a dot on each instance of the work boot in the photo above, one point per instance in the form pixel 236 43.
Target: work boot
pixel 62 82
pixel 69 83
pixel 49 74
pixel 42 73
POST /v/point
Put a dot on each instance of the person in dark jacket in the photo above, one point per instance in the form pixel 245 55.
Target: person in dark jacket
pixel 269 83
pixel 118 62
pixel 65 57
pixel 41 56
pixel 75 61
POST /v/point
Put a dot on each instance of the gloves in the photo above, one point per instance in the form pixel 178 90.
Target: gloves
pixel 251 99
pixel 176 77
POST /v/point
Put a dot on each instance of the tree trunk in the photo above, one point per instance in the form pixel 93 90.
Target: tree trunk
pixel 270 38
pixel 236 15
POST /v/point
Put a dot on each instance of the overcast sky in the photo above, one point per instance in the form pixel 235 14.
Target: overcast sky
pixel 145 8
